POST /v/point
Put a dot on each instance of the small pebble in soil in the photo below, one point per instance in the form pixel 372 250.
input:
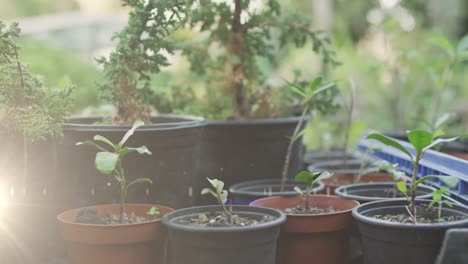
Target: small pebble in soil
pixel 425 215
pixel 217 219
pixel 310 210
pixel 90 216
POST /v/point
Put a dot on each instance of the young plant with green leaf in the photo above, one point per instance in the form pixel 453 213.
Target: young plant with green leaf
pixel 220 194
pixel 109 161
pixel 438 197
pixel 421 141
pixel 455 55
pixel 309 102
pixel 310 178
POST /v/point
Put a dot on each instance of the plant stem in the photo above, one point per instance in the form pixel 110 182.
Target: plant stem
pixel 123 191
pixel 226 211
pixel 307 204
pixel 349 118
pixel 439 213
pixel 414 186
pixel 287 160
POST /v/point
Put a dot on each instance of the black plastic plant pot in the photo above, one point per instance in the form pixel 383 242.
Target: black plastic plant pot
pixel 389 243
pixel 228 245
pixel 175 145
pixel 370 192
pixel 237 151
pixel 336 170
pixel 244 193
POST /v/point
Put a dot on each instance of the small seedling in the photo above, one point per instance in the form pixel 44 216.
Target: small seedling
pixel 311 178
pixel 154 212
pixel 220 194
pixel 110 162
pixel 392 170
pixel 437 197
pixel 307 96
pixel 422 141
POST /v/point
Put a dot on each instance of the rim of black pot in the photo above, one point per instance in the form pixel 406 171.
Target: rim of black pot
pixel 340 191
pixel 237 189
pixel 88 125
pixel 263 121
pixel 169 222
pixel 359 216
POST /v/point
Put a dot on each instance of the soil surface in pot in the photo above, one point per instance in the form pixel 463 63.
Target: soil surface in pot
pixel 425 215
pixel 90 216
pixel 216 219
pixel 301 210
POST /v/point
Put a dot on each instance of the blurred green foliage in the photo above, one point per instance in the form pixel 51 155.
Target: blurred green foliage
pixel 58 66
pixel 18 8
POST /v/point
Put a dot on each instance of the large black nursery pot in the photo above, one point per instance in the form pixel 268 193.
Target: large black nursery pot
pixel 173 140
pixel 237 151
pixel 378 191
pixel 389 243
pixel 244 193
pixel 228 245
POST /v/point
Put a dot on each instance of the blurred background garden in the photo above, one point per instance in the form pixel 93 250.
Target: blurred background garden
pixel 407 58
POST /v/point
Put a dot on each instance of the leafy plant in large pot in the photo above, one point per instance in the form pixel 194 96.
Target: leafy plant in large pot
pixel 140 53
pixel 411 230
pixel 251 115
pixel 116 233
pixel 31 118
pixel 316 227
pixel 246 192
pixel 230 234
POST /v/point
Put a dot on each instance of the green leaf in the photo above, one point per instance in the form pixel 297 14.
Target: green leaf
pixel 139 180
pixel 298 190
pixel 450 181
pixel 438 141
pixel 313 85
pixel 297 89
pixel 305 175
pixel 420 139
pixel 140 150
pixel 444 44
pixel 448 203
pixel 390 142
pixel 462 44
pixel 436 197
pixel 311 95
pixel 300 134
pixel 402 187
pixel 104 140
pixel 208 190
pixel 444 118
pixel 91 144
pixel 106 162
pixel 224 195
pixel 130 132
pixel 153 211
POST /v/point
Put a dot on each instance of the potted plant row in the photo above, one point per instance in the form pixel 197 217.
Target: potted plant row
pixel 410 230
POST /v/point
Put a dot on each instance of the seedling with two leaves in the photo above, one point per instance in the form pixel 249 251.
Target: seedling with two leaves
pixel 310 178
pixel 220 194
pixel 109 161
pixel 421 141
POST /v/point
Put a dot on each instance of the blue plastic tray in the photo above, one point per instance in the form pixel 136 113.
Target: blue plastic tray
pixel 432 163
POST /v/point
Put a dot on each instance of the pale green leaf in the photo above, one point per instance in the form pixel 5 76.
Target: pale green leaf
pixel 106 162
pixel 298 190
pixel 420 139
pixel 462 44
pixel 104 140
pixel 445 45
pixel 130 132
pixel 390 142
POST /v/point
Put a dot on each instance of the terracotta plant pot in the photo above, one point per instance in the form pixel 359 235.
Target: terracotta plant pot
pixel 460 155
pixel 142 243
pixel 321 239
pixel 338 180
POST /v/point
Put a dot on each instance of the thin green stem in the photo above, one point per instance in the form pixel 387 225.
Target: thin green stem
pixel 414 186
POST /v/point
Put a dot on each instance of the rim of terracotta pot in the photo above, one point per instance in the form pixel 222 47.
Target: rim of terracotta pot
pixel 62 217
pixel 328 181
pixel 353 204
